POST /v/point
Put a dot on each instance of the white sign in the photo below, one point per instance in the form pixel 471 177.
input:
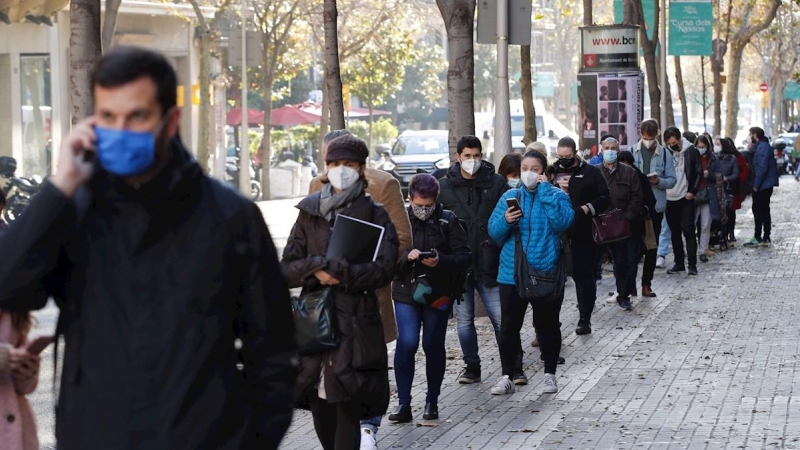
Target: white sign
pixel 610 41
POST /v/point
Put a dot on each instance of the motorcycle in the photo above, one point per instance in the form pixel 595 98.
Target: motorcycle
pixel 232 178
pixel 18 190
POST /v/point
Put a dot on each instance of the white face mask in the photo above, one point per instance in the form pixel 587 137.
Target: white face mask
pixel 342 177
pixel 529 179
pixel 513 183
pixel 717 149
pixel 647 142
pixel 471 166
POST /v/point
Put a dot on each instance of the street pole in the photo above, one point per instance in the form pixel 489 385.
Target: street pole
pixel 502 110
pixel 663 58
pixel 244 152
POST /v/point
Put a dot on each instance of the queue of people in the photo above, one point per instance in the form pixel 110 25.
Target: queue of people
pixel 206 352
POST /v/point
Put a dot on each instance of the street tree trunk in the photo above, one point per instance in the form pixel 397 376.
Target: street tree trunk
pixel 670 109
pixel 737 44
pixel 650 60
pixel 266 140
pixel 84 52
pixel 681 93
pixel 333 77
pixel 204 140
pixel 527 95
pixel 458 16
pixel 323 126
pixel 110 22
pixel 720 48
pixel 371 122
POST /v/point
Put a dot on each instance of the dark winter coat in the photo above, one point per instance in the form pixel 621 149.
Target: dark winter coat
pixel 155 285
pixel 586 185
pixel 444 233
pixel 728 167
pixel 481 194
pixel 626 194
pixel 765 168
pixel 303 255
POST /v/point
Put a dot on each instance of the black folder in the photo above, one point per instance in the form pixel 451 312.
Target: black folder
pixel 354 240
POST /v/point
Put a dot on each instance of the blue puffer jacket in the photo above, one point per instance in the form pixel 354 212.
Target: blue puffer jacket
pixel 547 213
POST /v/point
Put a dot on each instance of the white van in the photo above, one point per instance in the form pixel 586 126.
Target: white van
pixel 548 128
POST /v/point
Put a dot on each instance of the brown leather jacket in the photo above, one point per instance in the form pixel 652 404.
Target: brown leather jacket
pixel 303 255
pixel 385 189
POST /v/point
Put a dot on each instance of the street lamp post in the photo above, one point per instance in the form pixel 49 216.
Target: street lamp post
pixel 502 110
pixel 244 152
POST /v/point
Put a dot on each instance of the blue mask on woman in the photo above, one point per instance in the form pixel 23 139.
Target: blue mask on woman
pixel 125 153
pixel 609 156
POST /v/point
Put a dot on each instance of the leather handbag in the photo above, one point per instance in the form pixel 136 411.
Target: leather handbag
pixel 610 227
pixel 315 322
pixel 536 286
pixel 650 238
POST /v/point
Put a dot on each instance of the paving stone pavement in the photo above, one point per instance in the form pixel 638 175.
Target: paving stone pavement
pixel 709 364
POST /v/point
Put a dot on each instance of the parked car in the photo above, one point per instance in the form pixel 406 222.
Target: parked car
pixel 415 152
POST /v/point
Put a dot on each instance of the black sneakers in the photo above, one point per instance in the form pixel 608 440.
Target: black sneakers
pixel 692 269
pixel 677 269
pixel 471 374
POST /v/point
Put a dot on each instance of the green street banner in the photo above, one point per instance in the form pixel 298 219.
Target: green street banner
pixel 690 26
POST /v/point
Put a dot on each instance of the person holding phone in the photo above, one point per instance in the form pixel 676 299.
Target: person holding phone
pixel 339 393
pixel 430 276
pixel 545 211
pixel 166 279
pixel 588 192
pixel 19 375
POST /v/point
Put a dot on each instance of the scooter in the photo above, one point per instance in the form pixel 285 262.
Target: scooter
pixel 18 190
pixel 232 178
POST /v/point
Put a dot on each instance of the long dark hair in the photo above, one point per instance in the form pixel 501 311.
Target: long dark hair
pixel 728 147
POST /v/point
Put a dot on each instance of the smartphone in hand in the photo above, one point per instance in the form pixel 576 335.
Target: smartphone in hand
pixel 426 255
pixel 513 203
pixel 38 345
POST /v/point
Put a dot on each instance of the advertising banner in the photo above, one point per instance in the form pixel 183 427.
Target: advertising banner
pixel 610 104
pixel 690 26
pixel 607 48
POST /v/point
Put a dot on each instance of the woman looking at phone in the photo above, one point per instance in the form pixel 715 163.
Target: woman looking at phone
pixel 430 276
pixel 545 211
pixel 19 375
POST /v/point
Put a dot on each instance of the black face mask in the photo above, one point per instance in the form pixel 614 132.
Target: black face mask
pixel 753 139
pixel 566 162
pixel 675 147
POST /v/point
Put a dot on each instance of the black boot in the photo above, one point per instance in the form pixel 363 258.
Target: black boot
pixel 470 375
pixel 431 411
pixel 584 327
pixel 402 414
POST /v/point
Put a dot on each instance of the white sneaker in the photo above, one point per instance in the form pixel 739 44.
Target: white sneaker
pixel 504 386
pixel 368 440
pixel 550 386
pixel 612 298
pixel 661 262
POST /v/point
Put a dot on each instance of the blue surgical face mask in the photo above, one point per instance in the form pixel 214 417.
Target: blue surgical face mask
pixel 609 156
pixel 126 153
pixel 513 183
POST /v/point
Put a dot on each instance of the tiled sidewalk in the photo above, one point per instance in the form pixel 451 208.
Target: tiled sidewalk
pixel 711 363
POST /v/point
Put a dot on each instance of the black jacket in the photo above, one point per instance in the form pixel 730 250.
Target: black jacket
pixel 481 194
pixel 355 296
pixel 155 285
pixel 693 168
pixel 444 233
pixel 586 185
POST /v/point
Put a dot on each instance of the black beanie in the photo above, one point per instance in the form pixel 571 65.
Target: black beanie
pixel 347 147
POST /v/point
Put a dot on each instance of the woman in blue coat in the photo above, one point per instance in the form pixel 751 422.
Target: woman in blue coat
pixel 546 213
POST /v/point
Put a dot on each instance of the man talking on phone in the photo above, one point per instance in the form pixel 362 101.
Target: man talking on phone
pixel 176 318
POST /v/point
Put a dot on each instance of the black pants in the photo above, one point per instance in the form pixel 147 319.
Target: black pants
pixel 761 212
pixel 626 265
pixel 650 256
pixel 338 425
pixel 546 321
pixel 584 257
pixel 731 227
pixel 680 218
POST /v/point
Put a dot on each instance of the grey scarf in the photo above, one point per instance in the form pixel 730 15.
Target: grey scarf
pixel 331 203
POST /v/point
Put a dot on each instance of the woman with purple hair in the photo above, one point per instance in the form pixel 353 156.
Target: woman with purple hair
pixel 430 276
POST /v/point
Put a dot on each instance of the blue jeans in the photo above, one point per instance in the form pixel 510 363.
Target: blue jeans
pixel 465 317
pixel 433 323
pixel 372 424
pixel 664 238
